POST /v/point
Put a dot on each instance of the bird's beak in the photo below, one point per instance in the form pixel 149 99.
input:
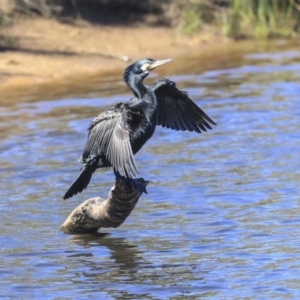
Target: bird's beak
pixel 159 63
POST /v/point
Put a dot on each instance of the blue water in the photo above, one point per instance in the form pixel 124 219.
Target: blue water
pixel 222 216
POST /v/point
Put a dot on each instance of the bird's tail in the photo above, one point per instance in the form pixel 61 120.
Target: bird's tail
pixel 81 181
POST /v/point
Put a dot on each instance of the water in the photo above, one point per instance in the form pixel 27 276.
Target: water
pixel 221 218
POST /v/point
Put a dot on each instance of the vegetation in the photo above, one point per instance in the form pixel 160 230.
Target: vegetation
pixel 244 18
pixel 261 18
pixel 233 18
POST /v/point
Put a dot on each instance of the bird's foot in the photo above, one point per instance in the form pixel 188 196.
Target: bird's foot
pixel 136 184
pixel 139 185
pixel 128 185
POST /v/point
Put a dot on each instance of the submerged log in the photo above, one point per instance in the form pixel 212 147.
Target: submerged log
pixel 97 212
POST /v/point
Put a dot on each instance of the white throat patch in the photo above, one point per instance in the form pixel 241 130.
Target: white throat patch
pixel 145 67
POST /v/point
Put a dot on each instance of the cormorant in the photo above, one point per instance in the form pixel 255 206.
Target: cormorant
pixel 121 131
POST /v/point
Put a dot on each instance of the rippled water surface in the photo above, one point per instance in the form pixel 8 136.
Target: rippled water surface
pixel 222 216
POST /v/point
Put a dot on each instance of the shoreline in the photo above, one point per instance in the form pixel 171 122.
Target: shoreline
pixel 55 60
pixel 52 53
pixel 49 54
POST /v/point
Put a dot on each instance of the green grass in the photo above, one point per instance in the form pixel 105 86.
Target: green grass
pixel 258 19
pixel 261 19
pixel 191 22
pixel 195 14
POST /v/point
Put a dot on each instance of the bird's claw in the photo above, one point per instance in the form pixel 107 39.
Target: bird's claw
pixel 137 185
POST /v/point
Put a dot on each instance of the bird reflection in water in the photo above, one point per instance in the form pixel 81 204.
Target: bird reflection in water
pixel 121 253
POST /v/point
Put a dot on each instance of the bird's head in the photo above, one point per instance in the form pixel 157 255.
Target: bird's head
pixel 141 68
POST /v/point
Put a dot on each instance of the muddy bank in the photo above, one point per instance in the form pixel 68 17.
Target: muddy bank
pixel 42 50
pixel 53 59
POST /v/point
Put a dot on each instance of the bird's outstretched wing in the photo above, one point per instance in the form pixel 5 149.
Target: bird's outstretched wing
pixel 176 110
pixel 109 140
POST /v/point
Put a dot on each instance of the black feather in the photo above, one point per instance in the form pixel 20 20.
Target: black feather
pixel 176 110
pixel 121 131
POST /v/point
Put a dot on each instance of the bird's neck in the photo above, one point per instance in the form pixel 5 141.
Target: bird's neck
pixel 145 97
pixel 137 87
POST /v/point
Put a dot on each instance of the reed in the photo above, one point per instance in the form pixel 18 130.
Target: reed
pixel 191 22
pixel 260 19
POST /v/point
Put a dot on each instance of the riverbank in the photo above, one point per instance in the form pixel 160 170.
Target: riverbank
pixel 41 51
pixel 49 59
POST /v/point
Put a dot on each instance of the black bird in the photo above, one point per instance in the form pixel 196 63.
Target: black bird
pixel 121 131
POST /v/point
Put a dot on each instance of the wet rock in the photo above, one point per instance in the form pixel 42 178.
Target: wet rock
pixel 97 212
